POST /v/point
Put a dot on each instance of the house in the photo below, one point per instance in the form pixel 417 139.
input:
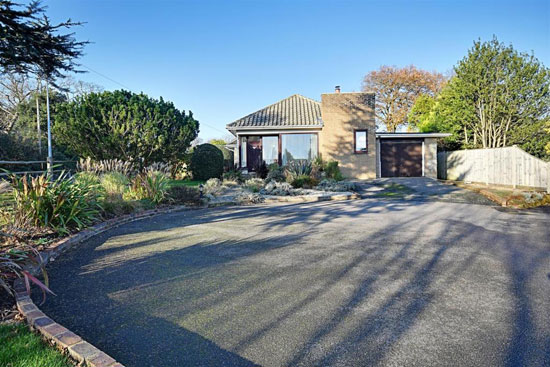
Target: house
pixel 341 127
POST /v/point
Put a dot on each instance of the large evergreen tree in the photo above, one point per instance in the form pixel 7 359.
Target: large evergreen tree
pixel 498 97
pixel 30 43
pixel 125 125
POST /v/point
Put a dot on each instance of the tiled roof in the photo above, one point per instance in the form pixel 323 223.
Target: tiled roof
pixel 294 111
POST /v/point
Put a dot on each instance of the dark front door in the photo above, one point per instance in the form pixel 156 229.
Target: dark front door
pixel 253 153
pixel 400 158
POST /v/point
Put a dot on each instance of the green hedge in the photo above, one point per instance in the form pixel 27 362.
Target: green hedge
pixel 206 162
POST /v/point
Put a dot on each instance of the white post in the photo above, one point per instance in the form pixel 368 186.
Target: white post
pixel 50 155
pixel 38 130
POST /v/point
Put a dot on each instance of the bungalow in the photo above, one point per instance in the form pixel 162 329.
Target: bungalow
pixel 341 127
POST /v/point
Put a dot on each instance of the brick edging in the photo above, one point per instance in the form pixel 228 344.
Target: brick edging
pixel 63 338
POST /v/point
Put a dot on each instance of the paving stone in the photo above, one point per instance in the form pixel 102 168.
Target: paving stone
pixel 33 315
pixel 53 330
pixel 43 321
pixel 83 351
pixel 68 338
pixel 101 360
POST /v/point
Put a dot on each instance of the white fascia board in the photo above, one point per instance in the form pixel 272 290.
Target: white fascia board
pixel 411 135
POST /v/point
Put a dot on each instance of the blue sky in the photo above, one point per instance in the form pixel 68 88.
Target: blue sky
pixel 225 59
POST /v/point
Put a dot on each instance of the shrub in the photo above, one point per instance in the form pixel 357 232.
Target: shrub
pixel 212 186
pixel 276 173
pixel 297 168
pixel 164 168
pixel 115 205
pixel 233 175
pixel 261 170
pixel 106 166
pixel 12 265
pixel 114 183
pixel 87 178
pixel 152 186
pixel 254 184
pixel 304 181
pixel 206 162
pixel 333 171
pixel 61 204
pixel 184 195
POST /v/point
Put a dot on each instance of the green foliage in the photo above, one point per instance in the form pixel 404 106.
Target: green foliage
pixel 125 125
pixel 20 347
pixel 126 168
pixel 206 162
pixel 254 184
pixel 498 97
pixel 261 170
pixel 115 205
pixel 114 183
pixel 329 169
pixel 297 168
pixel 233 175
pixel 31 43
pixel 304 181
pixel 276 173
pixel 184 195
pixel 152 186
pixel 533 138
pixel 333 171
pixel 62 204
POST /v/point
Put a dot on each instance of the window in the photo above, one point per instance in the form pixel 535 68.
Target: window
pixel 360 141
pixel 243 151
pixel 270 149
pixel 298 147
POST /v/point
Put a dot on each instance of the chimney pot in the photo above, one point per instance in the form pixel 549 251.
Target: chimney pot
pixel 337 89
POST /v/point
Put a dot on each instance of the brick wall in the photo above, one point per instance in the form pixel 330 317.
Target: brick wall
pixel 341 114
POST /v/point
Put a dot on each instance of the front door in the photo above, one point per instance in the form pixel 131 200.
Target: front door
pixel 253 153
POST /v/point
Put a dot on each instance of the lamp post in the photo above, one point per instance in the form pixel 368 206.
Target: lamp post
pixel 50 156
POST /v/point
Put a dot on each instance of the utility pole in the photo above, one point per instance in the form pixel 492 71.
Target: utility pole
pixel 50 156
pixel 39 131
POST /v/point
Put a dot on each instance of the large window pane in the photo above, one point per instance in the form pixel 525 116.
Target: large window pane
pixel 243 151
pixel 298 147
pixel 270 149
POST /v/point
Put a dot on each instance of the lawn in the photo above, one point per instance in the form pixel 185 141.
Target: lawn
pixel 19 347
pixel 191 183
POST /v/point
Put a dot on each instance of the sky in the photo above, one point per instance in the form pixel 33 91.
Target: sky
pixel 225 59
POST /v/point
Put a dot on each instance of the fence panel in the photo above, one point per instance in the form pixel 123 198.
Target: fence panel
pixel 502 166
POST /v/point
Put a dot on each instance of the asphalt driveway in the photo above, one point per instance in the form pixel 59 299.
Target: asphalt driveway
pixel 354 283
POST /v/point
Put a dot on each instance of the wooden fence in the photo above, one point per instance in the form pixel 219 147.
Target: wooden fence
pixel 7 165
pixel 501 166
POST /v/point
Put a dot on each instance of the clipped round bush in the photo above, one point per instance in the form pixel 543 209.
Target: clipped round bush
pixel 206 162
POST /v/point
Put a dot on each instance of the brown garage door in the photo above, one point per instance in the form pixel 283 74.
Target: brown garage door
pixel 400 157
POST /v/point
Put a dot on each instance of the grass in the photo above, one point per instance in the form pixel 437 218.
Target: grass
pixel 19 347
pixel 394 190
pixel 191 183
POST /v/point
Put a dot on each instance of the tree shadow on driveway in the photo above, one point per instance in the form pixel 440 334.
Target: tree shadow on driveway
pixel 354 283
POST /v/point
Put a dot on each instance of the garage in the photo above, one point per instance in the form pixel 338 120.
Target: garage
pixel 401 157
pixel 407 154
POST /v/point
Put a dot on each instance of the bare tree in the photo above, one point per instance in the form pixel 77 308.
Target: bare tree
pixel 14 90
pixel 396 90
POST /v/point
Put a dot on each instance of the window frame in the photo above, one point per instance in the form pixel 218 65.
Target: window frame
pixel 355 131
